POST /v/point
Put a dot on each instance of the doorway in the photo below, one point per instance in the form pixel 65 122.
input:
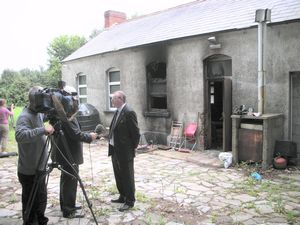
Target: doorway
pixel 294 122
pixel 218 102
pixel 216 109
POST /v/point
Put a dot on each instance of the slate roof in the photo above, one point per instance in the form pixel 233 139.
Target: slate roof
pixel 195 18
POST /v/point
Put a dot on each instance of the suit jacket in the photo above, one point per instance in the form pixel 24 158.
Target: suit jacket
pixel 126 135
pixel 74 138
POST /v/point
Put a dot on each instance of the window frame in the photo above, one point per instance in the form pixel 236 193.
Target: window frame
pixel 156 73
pixel 109 84
pixel 80 96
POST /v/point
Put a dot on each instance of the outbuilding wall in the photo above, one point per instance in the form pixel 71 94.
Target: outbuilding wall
pixel 185 74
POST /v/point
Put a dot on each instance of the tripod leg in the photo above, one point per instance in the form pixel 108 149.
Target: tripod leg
pixel 86 198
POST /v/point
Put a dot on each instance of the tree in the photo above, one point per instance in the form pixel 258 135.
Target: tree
pixel 59 49
pixel 94 33
pixel 14 86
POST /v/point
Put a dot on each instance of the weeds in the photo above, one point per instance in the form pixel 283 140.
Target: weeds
pixel 94 193
pixel 148 219
pixel 161 221
pixel 102 212
pixel 249 205
pixel 268 190
pixel 214 217
pixel 140 197
pixel 12 198
pixel 291 217
pixel 179 190
pixel 112 189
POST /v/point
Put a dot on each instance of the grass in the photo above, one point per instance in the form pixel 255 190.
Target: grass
pixel 179 190
pixel 12 144
pixel 272 193
pixel 102 212
pixel 149 220
pixel 140 197
pixel 12 198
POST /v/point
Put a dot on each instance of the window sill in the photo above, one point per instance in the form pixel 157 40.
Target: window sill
pixel 160 113
pixel 109 111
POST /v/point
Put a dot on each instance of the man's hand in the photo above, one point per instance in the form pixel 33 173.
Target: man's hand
pixel 49 129
pixel 93 135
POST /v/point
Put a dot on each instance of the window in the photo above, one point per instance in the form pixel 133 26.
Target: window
pixel 113 85
pixel 157 89
pixel 82 88
pixel 219 67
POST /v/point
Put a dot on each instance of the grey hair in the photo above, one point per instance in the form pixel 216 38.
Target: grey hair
pixel 122 95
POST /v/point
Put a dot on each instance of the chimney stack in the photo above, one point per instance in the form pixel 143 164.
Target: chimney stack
pixel 113 17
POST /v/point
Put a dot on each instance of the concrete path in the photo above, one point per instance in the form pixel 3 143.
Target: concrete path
pixel 172 188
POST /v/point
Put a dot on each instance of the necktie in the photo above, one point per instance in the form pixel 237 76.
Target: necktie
pixel 115 119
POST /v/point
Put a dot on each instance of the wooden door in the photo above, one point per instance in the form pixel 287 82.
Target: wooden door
pixel 227 111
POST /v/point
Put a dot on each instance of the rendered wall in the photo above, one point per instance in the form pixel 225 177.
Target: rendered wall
pixel 185 82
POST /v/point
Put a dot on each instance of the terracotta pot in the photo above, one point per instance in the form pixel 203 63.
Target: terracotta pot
pixel 280 162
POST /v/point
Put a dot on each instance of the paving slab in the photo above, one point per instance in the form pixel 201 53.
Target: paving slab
pixel 171 188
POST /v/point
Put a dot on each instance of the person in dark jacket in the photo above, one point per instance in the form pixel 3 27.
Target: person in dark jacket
pixel 30 136
pixel 124 138
pixel 69 142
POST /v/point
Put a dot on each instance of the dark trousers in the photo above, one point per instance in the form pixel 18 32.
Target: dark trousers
pixel 37 213
pixel 68 189
pixel 124 175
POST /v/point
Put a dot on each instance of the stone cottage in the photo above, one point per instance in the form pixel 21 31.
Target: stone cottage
pixel 194 63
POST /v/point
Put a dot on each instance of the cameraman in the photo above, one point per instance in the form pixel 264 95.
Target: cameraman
pixel 69 143
pixel 30 132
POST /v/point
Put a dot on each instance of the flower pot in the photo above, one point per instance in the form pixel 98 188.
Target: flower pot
pixel 279 162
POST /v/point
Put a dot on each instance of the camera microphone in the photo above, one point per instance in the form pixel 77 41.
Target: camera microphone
pixel 101 131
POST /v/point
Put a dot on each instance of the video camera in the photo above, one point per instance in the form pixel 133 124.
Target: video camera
pixel 56 103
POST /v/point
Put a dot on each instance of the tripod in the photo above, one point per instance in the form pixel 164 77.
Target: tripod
pixel 48 167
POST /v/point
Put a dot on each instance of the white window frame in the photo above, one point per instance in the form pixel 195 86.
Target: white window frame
pixel 80 96
pixel 109 84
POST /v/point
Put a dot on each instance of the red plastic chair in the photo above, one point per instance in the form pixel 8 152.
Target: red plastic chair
pixel 190 134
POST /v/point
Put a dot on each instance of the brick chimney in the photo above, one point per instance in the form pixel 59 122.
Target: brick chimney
pixel 113 17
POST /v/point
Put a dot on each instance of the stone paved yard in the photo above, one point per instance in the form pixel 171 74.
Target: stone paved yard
pixel 172 188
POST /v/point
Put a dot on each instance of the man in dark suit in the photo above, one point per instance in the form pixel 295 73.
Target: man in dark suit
pixel 69 155
pixel 124 137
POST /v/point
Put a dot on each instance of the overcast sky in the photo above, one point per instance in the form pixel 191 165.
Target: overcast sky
pixel 28 26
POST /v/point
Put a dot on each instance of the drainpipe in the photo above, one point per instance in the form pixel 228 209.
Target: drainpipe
pixel 262 16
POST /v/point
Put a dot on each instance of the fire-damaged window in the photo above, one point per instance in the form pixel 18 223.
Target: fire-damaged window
pixel 113 85
pixel 157 89
pixel 82 88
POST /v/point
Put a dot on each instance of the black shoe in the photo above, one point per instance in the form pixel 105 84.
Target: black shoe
pixel 43 221
pixel 125 207
pixel 119 200
pixel 73 215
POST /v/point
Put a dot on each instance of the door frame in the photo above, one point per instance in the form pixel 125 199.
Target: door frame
pixel 290 121
pixel 227 108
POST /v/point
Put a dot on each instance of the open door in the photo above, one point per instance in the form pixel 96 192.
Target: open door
pixel 218 102
pixel 227 111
